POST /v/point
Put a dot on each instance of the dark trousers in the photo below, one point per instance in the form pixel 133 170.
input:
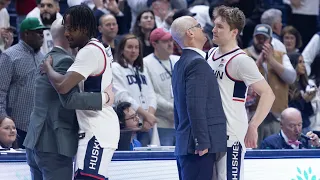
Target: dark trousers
pixel 21 136
pixel 195 167
pixel 49 166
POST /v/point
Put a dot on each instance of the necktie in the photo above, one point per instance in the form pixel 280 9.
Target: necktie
pixel 296 142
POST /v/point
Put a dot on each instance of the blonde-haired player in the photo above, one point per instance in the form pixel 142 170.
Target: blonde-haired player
pixel 235 71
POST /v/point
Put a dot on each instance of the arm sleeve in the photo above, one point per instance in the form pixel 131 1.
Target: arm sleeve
pixel 196 98
pixel 289 74
pixel 119 84
pixel 246 70
pixel 86 62
pixel 6 72
pixel 74 99
pixel 311 51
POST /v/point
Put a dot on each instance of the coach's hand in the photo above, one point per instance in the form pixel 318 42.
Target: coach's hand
pixel 45 65
pixel 201 153
pixel 251 137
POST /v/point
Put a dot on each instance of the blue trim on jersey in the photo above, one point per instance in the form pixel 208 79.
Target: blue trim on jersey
pixel 234 155
pixel 92 158
pixel 93 83
pixel 239 90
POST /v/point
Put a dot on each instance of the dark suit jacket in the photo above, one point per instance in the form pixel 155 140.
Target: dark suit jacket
pixel 53 124
pixel 199 118
pixel 276 141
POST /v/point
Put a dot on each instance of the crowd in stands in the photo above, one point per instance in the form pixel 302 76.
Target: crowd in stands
pixel 280 35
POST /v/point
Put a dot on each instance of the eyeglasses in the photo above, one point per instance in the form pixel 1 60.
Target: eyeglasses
pixel 195 26
pixel 133 117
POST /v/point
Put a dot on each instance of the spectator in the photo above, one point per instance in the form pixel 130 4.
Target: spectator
pixel 8 133
pixel 279 73
pixel 291 38
pixel 132 83
pixel 161 9
pixel 18 66
pixel 273 18
pixel 159 66
pixel 46 12
pixel 108 27
pixel 6 34
pixel 298 96
pixel 290 135
pixel 142 28
pixel 129 121
pixel 110 7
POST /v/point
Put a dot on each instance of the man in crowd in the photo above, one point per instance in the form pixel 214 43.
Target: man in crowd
pixel 108 27
pixel 47 12
pixel 160 65
pixel 290 136
pixel 18 66
pixel 277 69
pixel 273 18
pixel 129 123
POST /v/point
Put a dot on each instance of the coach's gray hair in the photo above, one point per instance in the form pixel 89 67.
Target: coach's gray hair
pixel 57 29
pixel 179 27
pixel 271 16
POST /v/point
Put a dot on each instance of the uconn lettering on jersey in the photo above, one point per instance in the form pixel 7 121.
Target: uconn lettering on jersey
pixel 218 74
pixel 132 79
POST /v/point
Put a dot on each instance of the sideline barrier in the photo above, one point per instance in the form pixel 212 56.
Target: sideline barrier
pixel 161 165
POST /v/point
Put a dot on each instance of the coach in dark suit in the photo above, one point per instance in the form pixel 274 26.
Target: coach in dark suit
pixel 200 121
pixel 52 137
pixel 290 135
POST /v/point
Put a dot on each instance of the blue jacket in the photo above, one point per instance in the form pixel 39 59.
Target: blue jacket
pixel 276 141
pixel 199 118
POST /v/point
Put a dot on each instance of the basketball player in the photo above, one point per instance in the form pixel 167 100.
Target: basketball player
pixel 99 131
pixel 235 71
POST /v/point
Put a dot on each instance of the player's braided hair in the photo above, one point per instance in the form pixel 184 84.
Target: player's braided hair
pixel 82 18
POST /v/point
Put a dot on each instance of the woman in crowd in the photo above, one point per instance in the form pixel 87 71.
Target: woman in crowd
pixel 8 133
pixel 132 83
pixel 299 94
pixel 142 28
pixel 291 38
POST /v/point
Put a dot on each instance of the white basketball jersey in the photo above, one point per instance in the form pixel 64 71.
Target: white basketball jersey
pixel 103 124
pixel 233 93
